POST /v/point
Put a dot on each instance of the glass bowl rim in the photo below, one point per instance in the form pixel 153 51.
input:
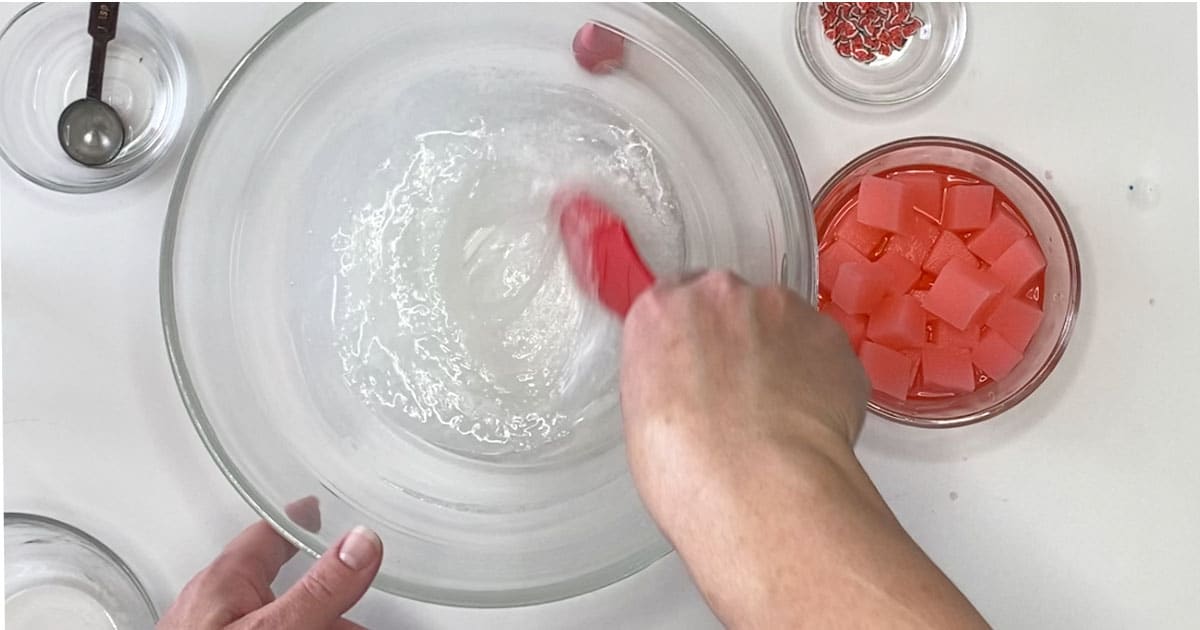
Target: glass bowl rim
pixel 46 522
pixel 1073 271
pixel 794 227
pixel 136 169
pixel 826 77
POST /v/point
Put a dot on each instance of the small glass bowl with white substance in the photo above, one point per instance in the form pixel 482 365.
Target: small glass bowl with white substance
pixel 56 576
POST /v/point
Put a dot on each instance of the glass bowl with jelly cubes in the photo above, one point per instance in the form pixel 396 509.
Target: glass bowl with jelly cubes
pixel 954 274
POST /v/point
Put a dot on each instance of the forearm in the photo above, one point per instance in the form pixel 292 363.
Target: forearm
pixel 739 407
pixel 800 536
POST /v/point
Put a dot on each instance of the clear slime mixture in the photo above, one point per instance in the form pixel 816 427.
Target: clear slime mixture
pixel 455 315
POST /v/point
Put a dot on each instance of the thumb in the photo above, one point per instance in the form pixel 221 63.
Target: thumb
pixel 332 586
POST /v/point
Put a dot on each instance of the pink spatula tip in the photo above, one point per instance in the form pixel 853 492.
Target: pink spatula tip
pixel 599 250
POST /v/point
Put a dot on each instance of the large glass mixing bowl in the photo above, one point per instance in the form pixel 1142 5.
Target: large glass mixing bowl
pixel 364 298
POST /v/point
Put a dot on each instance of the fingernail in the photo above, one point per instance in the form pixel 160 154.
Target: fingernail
pixel 360 548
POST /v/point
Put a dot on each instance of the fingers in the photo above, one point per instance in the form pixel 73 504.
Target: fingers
pixel 261 551
pixel 238 581
pixel 678 280
pixel 700 276
pixel 333 585
pixel 258 550
pixel 240 578
pixel 306 513
pixel 678 284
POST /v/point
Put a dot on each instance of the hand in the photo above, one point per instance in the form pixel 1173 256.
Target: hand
pixel 726 369
pixel 741 406
pixel 235 590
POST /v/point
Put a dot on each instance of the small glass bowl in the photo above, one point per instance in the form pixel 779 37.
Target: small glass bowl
pixel 56 576
pixel 44 56
pixel 908 73
pixel 1060 302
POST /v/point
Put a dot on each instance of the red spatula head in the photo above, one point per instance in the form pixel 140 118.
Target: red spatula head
pixel 598 49
pixel 601 254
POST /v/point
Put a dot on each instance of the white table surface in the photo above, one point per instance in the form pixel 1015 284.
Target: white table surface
pixel 1080 508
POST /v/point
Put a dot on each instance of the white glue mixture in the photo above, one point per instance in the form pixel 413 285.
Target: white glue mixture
pixel 55 606
pixel 455 315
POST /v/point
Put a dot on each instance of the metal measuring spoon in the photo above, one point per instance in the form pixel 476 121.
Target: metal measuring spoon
pixel 89 130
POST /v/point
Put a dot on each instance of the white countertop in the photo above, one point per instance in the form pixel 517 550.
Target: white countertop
pixel 1079 508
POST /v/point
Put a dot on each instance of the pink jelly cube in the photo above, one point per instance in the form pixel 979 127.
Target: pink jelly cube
pixel 947 370
pixel 885 204
pixel 904 272
pixel 967 208
pixel 947 247
pixel 925 190
pixel 598 49
pixel 862 237
pixel 994 356
pixel 1016 320
pixel 993 240
pixel 891 372
pixel 961 293
pixel 898 322
pixel 918 242
pixel 947 336
pixel 831 259
pixel 1019 264
pixel 854 325
pixel 860 286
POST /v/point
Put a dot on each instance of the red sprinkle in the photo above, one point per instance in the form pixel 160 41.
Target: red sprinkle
pixel 866 31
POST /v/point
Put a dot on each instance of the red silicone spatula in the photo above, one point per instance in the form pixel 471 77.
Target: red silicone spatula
pixel 598 49
pixel 600 252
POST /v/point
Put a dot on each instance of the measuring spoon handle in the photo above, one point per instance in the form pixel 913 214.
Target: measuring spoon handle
pixel 102 26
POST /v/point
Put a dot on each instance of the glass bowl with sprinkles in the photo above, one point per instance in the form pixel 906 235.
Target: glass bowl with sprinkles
pixel 880 53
